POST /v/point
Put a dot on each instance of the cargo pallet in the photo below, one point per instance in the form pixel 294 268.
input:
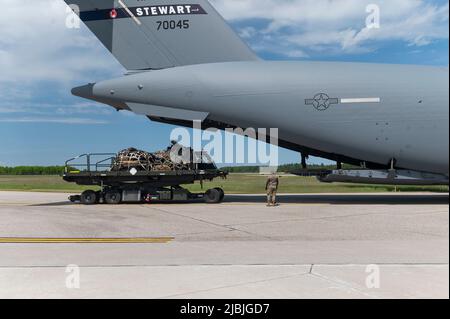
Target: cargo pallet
pixel 139 186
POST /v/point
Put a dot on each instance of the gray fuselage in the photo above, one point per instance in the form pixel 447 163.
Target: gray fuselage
pixel 368 112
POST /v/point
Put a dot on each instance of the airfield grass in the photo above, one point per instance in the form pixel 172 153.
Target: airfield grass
pixel 234 184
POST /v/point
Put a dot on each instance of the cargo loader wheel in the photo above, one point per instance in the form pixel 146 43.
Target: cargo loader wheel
pixel 88 198
pixel 113 197
pixel 213 196
pixel 222 193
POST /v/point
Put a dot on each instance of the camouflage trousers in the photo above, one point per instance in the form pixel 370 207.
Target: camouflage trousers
pixel 271 195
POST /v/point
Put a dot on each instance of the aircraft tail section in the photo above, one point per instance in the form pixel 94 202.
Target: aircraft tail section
pixel 158 34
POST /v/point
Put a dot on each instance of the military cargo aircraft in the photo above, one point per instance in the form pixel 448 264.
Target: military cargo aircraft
pixel 185 63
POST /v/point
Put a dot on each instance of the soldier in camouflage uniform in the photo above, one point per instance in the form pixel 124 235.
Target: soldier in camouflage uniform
pixel 272 188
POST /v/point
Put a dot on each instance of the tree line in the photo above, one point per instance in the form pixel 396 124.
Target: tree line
pixel 32 170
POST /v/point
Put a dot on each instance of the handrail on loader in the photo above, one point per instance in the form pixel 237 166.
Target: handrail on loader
pixel 88 165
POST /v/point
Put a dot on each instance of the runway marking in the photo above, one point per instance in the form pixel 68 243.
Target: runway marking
pixel 34 240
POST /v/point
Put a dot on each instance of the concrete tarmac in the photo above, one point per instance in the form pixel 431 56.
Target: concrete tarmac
pixel 312 246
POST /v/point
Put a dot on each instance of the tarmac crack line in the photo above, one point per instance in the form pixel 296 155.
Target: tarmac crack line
pixel 342 284
pixel 235 285
pixel 230 228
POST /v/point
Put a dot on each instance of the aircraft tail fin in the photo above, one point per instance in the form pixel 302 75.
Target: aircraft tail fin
pixel 158 34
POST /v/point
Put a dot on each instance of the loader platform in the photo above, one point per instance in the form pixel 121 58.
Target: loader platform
pixel 136 185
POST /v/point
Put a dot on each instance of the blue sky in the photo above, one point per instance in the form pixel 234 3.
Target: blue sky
pixel 41 60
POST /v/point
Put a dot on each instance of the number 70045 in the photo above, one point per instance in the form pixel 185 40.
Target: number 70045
pixel 173 24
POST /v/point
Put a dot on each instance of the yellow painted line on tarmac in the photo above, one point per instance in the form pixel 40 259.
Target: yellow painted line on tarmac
pixel 34 240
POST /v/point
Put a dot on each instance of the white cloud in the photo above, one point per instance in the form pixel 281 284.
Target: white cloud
pixel 56 109
pixel 41 60
pixel 337 26
pixel 53 120
pixel 36 45
pixel 296 54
